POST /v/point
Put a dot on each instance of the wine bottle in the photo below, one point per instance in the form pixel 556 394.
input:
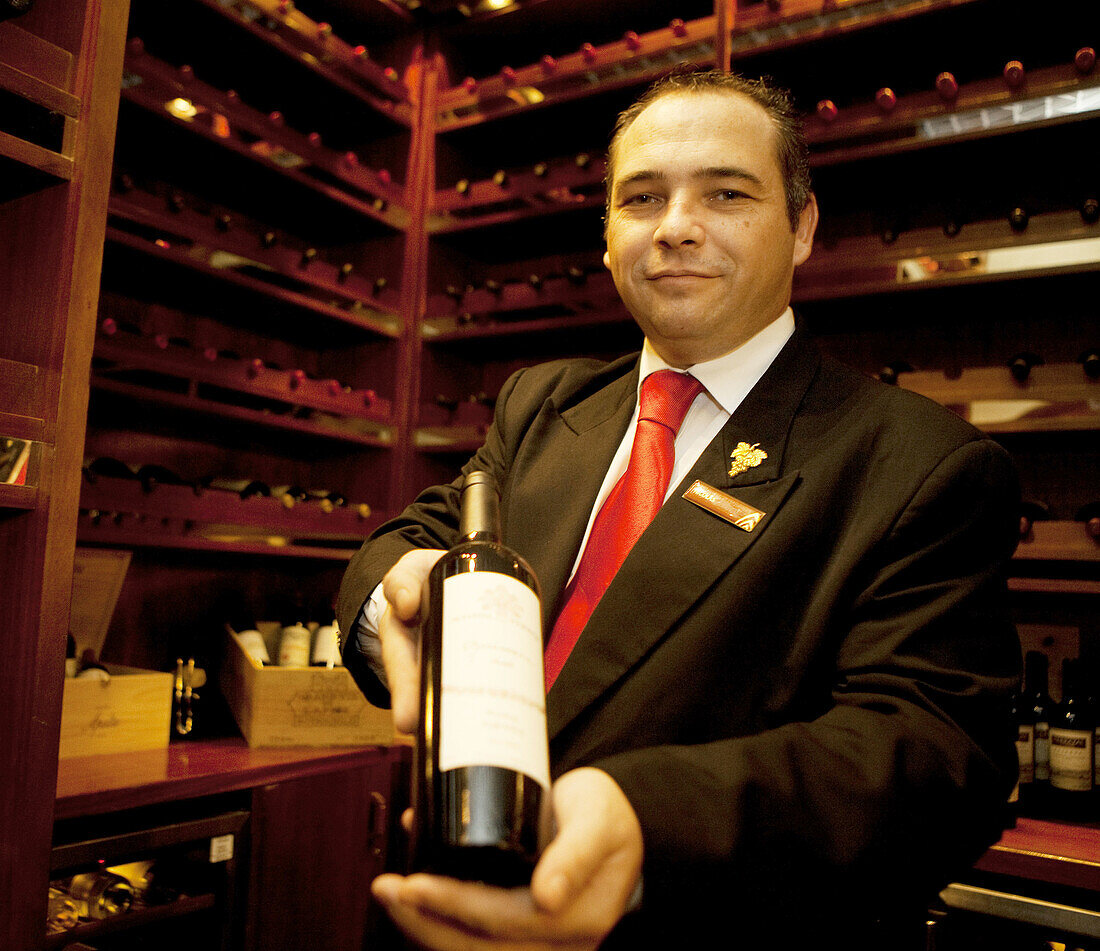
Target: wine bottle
pixel 294 645
pixel 100 894
pixel 326 647
pixel 481 769
pixel 1036 701
pixel 1071 747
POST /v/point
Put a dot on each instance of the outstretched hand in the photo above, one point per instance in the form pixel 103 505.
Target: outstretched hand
pixel 579 890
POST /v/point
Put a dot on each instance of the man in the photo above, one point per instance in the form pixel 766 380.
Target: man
pixel 784 726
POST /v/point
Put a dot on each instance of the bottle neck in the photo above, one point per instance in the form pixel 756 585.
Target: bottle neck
pixel 479 519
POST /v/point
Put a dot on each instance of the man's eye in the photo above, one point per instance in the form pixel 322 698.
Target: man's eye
pixel 729 194
pixel 639 199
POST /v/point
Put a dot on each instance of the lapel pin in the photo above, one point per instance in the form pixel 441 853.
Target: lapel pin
pixel 725 506
pixel 746 457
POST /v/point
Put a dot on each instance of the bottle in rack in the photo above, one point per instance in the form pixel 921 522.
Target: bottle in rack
pixel 1035 702
pixel 1071 747
pixel 481 770
pixel 100 894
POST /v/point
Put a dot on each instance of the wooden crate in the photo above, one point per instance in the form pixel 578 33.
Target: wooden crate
pixel 299 706
pixel 131 711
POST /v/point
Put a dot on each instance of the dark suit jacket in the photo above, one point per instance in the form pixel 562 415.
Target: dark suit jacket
pixel 809 718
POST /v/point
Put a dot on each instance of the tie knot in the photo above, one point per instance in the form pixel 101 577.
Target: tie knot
pixel 666 396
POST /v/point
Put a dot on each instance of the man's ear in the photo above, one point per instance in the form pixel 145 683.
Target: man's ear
pixel 804 233
pixel 607 260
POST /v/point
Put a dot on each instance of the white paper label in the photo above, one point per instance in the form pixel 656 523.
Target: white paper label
pixel 221 848
pixel 493 700
pixel 1071 759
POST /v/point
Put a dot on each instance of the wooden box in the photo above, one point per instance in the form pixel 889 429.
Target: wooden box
pixel 299 706
pixel 130 711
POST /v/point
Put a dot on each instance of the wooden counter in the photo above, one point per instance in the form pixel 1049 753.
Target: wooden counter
pixel 90 785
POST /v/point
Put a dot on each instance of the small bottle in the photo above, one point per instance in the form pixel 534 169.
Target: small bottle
pixel 1072 740
pixel 481 770
pixel 294 645
pixel 255 646
pixel 326 647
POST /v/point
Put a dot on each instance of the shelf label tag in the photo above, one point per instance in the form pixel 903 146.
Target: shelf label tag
pixel 221 848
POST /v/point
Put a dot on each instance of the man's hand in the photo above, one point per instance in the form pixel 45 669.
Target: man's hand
pixel 579 890
pixel 399 632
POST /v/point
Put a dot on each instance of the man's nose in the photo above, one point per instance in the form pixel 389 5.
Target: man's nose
pixel 679 225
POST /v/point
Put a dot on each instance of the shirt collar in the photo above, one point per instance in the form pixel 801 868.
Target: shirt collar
pixel 729 377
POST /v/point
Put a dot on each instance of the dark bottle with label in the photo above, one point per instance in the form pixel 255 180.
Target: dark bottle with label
pixel 1071 747
pixel 481 772
pixel 1037 705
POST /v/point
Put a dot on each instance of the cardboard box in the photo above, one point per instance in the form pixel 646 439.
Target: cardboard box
pixel 130 711
pixel 299 706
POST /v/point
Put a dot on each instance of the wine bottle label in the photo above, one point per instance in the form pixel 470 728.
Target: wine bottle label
pixel 1042 751
pixel 294 646
pixel 492 699
pixel 1071 759
pixel 1025 752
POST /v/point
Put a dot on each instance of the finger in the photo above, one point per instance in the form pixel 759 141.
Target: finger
pixel 403 582
pixel 399 657
pixel 435 905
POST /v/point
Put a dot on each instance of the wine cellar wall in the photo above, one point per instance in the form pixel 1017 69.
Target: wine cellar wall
pixel 321 261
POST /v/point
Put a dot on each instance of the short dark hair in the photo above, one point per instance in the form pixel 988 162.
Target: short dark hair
pixel 790 139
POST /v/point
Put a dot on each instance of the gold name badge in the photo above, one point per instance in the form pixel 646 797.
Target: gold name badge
pixel 724 506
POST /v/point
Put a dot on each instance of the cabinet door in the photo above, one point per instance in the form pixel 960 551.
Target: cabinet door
pixel 318 842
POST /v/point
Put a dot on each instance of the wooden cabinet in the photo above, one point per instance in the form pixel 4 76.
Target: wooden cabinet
pixel 266 848
pixel 59 72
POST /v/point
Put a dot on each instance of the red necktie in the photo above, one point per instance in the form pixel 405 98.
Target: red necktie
pixel 630 507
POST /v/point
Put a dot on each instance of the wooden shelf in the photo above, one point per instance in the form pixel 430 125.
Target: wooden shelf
pixel 143 366
pixel 1058 397
pixel 542 189
pixel 18 497
pixel 1058 541
pixel 1059 853
pixel 93 785
pixel 234 243
pixel 136 917
pixel 225 121
pixel 312 43
pixel 977 110
pixel 637 59
pixel 117 510
pixel 206 261
pixel 1060 242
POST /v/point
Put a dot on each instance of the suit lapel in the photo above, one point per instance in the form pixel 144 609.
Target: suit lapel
pixel 686 549
pixel 557 473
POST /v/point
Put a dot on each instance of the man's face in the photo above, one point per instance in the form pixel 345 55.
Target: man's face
pixel 698 239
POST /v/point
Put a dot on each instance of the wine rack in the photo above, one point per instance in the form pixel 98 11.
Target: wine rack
pixel 329 235
pixel 206 847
